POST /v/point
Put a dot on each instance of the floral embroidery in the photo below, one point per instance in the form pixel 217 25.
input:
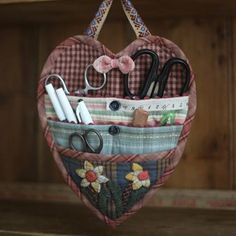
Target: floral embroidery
pixel 139 177
pixel 92 176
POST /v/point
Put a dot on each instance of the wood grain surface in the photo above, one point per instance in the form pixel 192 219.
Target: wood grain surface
pixel 16 11
pixel 21 218
pixel 18 111
pixel 207 45
pixel 175 198
pixel 232 102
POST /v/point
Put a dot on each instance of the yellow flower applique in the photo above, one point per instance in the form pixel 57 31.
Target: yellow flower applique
pixel 139 177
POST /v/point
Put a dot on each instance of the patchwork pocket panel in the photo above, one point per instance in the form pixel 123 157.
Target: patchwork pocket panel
pixel 119 185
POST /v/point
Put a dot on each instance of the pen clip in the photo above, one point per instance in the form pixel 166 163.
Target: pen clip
pixel 77 112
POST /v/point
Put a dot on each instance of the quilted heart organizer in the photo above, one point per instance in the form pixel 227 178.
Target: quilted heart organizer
pixel 128 134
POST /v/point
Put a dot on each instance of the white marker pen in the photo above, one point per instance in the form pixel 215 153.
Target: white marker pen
pixel 55 102
pixel 82 113
pixel 69 113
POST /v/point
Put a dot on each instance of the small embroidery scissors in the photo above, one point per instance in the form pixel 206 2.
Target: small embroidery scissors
pixel 86 141
pixel 88 86
pixel 153 78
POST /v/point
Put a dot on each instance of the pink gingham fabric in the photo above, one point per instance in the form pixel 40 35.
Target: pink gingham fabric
pixel 72 63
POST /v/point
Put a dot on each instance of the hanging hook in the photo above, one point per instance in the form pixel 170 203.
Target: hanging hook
pixel 55 76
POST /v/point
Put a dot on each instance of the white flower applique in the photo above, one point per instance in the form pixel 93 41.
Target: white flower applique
pixel 139 177
pixel 92 176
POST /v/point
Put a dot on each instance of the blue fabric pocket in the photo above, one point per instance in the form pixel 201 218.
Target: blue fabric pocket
pixel 120 139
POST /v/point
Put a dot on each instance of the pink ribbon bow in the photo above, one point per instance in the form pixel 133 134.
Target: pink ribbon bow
pixel 104 64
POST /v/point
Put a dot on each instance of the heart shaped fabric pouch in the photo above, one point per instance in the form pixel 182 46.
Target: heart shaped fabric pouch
pixel 116 124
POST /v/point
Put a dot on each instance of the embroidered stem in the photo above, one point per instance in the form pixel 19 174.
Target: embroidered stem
pixel 135 196
pixel 117 197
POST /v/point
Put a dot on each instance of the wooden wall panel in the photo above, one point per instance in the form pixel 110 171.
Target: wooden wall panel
pixel 233 104
pixel 18 59
pixel 71 10
pixel 206 42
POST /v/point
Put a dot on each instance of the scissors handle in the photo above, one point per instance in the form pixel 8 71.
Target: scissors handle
pixel 151 75
pixel 90 148
pixel 87 147
pixel 88 86
pixel 78 135
pixel 165 72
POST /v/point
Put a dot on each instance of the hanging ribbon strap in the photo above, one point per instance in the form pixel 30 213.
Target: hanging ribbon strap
pixel 96 24
pixel 135 20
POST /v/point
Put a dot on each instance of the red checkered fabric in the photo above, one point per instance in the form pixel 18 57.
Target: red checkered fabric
pixel 72 63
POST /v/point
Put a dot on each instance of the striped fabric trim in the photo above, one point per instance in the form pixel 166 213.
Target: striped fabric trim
pixel 100 115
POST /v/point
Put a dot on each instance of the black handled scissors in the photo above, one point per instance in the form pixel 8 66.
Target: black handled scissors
pixel 153 77
pixel 86 143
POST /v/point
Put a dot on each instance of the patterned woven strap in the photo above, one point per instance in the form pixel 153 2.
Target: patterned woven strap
pixel 135 20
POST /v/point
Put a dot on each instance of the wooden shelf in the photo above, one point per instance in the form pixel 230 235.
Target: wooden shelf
pixel 61 193
pixel 30 218
pixel 69 10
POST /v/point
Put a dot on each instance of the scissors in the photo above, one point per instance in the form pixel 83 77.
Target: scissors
pixel 87 146
pixel 153 77
pixel 88 86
